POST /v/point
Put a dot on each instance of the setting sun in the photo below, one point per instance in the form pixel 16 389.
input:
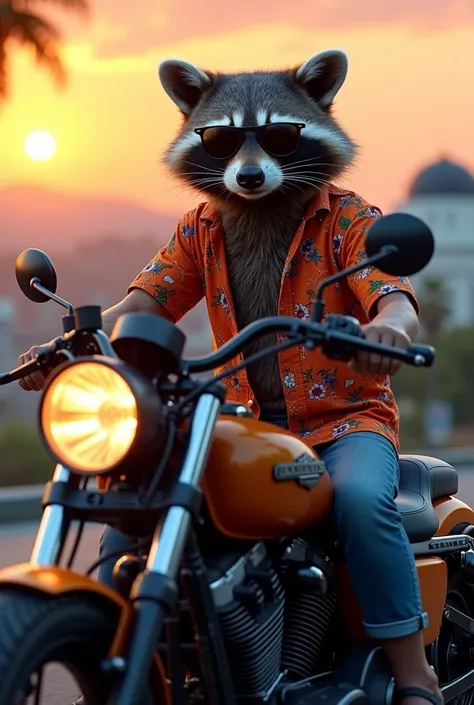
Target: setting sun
pixel 40 146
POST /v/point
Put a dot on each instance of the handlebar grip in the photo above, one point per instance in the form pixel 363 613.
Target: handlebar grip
pixel 19 372
pixel 421 355
pixel 43 361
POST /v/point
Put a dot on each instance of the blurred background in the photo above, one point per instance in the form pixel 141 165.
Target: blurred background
pixel 84 121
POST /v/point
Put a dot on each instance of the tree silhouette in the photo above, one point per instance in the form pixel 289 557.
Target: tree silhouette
pixel 435 308
pixel 31 30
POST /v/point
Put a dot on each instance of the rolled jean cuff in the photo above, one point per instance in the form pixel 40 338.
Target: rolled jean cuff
pixel 395 630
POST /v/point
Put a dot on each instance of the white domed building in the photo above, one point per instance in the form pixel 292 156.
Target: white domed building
pixel 443 196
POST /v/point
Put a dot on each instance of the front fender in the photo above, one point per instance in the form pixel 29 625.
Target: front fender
pixel 55 582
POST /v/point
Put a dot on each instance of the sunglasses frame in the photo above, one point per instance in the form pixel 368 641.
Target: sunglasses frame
pixel 244 131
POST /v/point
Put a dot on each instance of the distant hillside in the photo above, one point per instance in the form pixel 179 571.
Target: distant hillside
pixel 35 217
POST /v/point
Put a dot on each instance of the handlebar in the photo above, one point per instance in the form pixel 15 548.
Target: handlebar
pixel 308 332
pixel 248 335
pixel 315 333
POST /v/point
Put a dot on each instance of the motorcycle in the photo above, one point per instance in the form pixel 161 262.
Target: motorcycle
pixel 235 593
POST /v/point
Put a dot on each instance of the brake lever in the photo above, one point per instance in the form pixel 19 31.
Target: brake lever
pixel 344 337
pixel 415 355
pixel 339 334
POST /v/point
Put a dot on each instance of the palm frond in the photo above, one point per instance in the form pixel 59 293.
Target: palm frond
pixel 3 75
pixel 42 37
pixel 19 21
pixel 81 7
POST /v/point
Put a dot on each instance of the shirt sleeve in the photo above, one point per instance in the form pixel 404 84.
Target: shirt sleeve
pixel 369 284
pixel 173 277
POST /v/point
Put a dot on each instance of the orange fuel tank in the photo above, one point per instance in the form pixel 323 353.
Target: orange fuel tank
pixel 262 482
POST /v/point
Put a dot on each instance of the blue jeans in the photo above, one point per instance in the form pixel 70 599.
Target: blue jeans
pixel 364 471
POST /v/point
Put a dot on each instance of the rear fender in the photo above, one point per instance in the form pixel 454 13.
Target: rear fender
pixel 53 581
pixel 451 511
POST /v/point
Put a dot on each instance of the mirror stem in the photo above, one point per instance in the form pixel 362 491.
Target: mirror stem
pixel 318 303
pixel 35 283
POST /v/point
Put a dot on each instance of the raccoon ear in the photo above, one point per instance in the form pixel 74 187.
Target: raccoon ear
pixel 323 75
pixel 184 83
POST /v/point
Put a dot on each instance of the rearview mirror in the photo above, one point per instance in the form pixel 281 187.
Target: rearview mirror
pixel 35 265
pixel 412 238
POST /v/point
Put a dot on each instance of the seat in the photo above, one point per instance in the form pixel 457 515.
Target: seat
pixel 422 480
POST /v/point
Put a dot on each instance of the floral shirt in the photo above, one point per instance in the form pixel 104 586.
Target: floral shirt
pixel 324 399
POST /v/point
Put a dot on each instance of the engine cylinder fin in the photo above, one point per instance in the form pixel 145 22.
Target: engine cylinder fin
pixel 307 620
pixel 254 640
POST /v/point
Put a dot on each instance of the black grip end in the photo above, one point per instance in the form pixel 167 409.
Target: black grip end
pixel 425 351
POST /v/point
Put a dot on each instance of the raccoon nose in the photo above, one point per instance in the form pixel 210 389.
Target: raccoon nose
pixel 250 177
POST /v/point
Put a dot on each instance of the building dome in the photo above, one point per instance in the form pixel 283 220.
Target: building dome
pixel 444 177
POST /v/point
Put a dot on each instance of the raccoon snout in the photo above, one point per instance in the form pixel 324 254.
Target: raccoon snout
pixel 250 177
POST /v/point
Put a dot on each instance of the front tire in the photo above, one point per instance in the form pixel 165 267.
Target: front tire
pixel 73 630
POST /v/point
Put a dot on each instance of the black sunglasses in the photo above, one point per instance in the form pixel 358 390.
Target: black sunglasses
pixel 279 139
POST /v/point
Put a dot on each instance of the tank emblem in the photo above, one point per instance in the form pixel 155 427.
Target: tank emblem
pixel 305 470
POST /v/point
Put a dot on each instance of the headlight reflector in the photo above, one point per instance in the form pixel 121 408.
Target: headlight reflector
pixel 90 416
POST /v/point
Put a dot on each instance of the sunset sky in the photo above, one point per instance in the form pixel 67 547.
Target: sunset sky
pixel 408 98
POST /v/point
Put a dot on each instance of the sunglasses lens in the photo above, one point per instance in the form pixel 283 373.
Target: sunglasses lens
pixel 280 139
pixel 221 142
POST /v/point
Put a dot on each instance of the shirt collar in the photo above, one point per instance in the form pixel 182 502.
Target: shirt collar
pixel 320 202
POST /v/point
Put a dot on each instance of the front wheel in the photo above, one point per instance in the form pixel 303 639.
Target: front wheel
pixel 70 630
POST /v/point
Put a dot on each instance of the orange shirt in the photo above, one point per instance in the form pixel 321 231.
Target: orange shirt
pixel 324 399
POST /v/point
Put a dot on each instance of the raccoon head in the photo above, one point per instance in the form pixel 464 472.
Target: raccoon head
pixel 259 135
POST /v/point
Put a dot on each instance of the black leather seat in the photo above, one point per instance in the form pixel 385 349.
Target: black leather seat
pixel 422 480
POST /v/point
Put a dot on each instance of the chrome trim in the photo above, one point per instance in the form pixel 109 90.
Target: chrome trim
pixel 457 687
pixel 46 550
pixel 223 588
pixel 170 537
pixel 443 544
pixel 104 344
pixel 273 687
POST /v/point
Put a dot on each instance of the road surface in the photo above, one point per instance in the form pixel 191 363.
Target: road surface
pixel 15 547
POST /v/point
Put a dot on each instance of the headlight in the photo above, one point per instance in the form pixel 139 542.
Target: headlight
pixel 98 415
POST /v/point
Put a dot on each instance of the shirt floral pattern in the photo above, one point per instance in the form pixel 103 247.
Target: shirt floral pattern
pixel 324 399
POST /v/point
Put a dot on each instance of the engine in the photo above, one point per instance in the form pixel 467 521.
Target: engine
pixel 273 615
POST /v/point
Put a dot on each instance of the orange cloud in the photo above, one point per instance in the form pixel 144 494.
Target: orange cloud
pixel 128 31
pixel 405 100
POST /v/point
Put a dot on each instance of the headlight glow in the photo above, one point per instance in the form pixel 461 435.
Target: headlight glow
pixel 89 417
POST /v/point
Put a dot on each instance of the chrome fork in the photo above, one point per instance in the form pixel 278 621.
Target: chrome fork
pixel 46 550
pixel 170 537
pixel 49 537
pixel 155 590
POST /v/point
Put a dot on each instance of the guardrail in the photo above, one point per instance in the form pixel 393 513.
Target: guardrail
pixel 23 504
pixel 20 504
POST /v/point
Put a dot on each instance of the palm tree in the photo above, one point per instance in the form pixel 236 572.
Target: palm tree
pixel 31 30
pixel 435 307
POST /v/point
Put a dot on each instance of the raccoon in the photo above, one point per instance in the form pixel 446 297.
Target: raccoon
pixel 258 145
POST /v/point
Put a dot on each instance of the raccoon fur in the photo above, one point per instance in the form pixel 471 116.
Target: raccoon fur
pixel 259 224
